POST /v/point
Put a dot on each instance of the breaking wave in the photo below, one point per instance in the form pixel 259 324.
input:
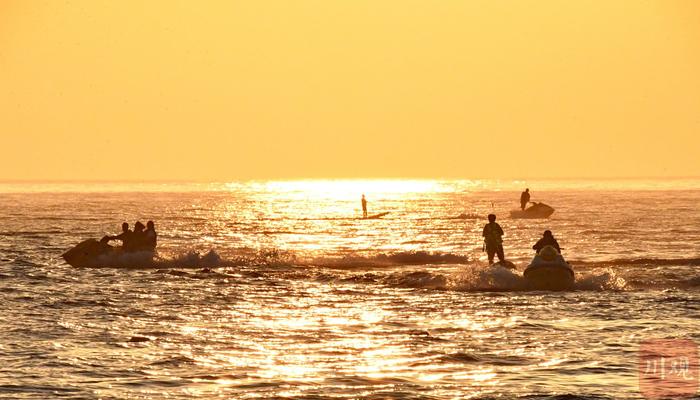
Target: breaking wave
pixel 692 261
pixel 389 260
pixel 450 272
pixel 477 278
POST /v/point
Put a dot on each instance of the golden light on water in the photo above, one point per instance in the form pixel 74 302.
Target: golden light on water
pixel 351 189
pixel 250 130
pixel 358 351
pixel 400 305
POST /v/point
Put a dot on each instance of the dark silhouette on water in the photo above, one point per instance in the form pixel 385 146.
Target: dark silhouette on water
pixel 546 240
pixel 536 210
pixel 151 236
pixel 139 238
pixel 138 249
pixel 364 206
pixel 548 270
pixel 126 236
pixel 142 238
pixel 524 199
pixel 493 241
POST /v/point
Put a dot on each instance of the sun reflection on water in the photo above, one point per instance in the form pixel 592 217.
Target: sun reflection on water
pixel 352 189
pixel 309 326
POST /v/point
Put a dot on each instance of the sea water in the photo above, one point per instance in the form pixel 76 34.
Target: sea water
pixel 280 289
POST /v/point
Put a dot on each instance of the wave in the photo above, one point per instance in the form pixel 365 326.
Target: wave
pixel 195 259
pixel 477 278
pixel 391 259
pixel 276 257
pixel 605 279
pixel 470 278
pixel 212 259
pixel 691 261
pixel 458 275
pixel 457 272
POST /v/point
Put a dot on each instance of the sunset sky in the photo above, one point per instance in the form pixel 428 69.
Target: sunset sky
pixel 234 90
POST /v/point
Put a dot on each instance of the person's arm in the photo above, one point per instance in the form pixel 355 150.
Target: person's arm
pixel 484 232
pixel 537 246
pixel 500 231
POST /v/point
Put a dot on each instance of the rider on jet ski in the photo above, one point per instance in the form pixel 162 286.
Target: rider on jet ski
pixel 126 236
pixel 547 240
pixel 142 238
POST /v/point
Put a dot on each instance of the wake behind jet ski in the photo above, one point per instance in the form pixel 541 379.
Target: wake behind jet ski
pixel 536 210
pixel 548 269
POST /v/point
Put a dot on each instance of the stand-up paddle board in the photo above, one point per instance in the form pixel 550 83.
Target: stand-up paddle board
pixel 376 216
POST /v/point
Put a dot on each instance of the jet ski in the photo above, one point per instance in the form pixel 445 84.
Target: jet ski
pixel 92 253
pixel 536 210
pixel 549 271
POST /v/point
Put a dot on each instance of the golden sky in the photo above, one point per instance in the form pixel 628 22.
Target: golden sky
pixel 229 90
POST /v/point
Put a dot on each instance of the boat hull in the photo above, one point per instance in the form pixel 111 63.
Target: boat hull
pixel 552 273
pixel 93 254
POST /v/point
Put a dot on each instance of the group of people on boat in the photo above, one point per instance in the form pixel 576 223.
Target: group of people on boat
pixel 142 238
pixel 493 240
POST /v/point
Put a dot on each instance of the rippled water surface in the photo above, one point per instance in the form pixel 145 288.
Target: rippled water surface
pixel 278 289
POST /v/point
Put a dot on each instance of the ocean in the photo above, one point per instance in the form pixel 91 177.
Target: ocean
pixel 281 290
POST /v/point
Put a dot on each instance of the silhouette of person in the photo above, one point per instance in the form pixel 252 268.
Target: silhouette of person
pixel 493 239
pixel 151 236
pixel 126 236
pixel 524 199
pixel 364 206
pixel 138 239
pixel 546 240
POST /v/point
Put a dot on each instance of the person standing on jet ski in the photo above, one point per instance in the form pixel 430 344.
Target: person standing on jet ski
pixel 546 240
pixel 524 199
pixel 493 239
pixel 364 206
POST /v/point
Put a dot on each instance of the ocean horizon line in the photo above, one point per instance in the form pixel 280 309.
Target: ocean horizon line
pixel 348 187
pixel 387 178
